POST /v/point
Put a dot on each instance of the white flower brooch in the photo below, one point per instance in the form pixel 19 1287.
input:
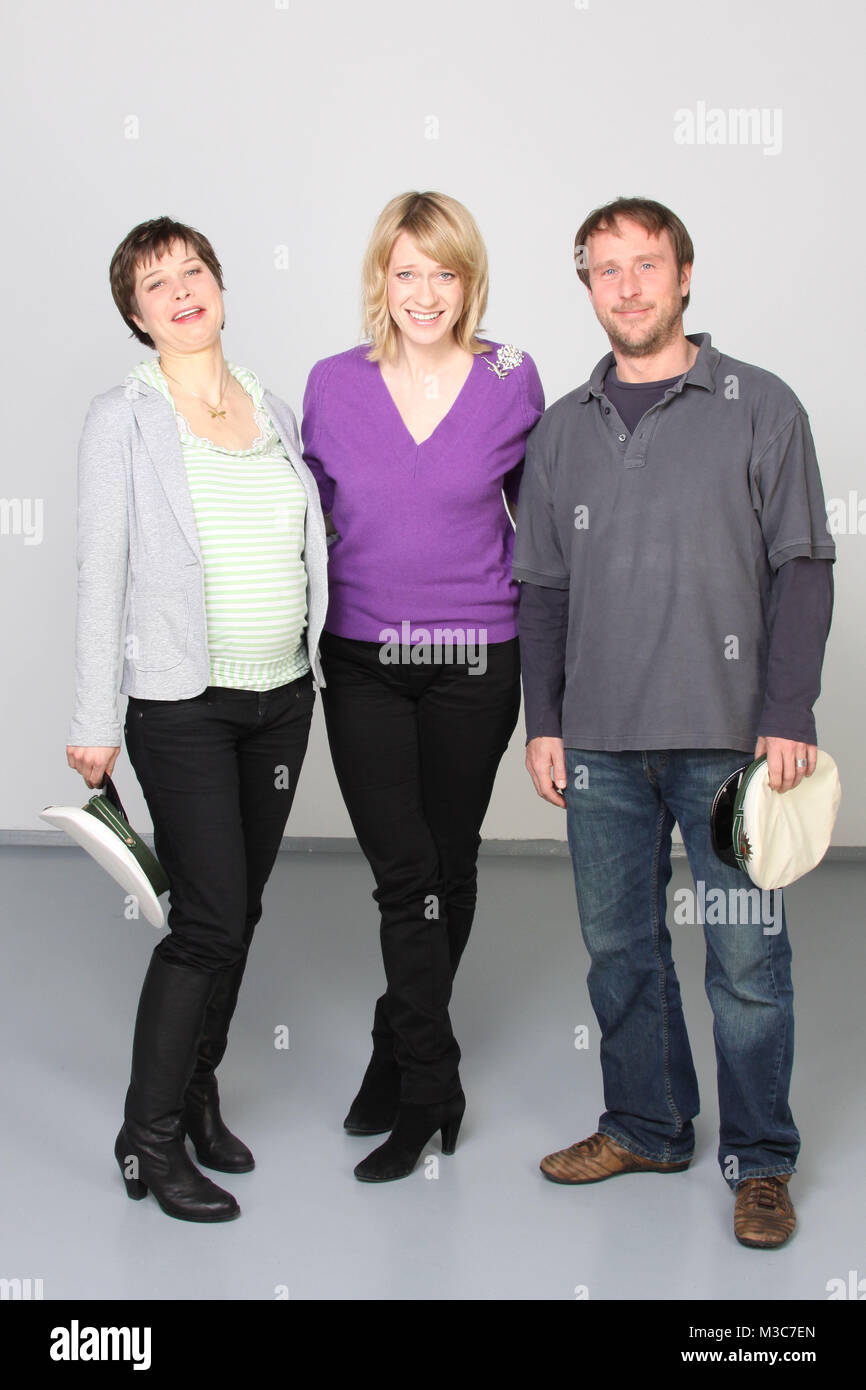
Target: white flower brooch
pixel 507 358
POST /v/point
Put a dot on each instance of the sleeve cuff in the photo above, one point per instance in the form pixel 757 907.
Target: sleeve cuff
pixel 543 724
pixel 546 581
pixel 787 721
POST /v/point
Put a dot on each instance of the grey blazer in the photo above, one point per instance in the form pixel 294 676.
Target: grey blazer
pixel 139 556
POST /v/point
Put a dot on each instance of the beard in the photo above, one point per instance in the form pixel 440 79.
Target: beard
pixel 666 330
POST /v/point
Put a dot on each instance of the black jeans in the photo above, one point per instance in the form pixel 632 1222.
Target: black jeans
pixel 219 774
pixel 415 750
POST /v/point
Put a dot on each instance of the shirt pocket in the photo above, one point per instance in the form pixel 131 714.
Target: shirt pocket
pixel 157 628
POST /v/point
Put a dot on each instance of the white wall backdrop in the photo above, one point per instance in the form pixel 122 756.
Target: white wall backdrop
pixel 280 129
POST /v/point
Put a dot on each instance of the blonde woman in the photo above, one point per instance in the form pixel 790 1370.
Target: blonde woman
pixel 415 439
pixel 194 500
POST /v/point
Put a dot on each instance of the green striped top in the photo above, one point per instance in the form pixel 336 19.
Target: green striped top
pixel 250 509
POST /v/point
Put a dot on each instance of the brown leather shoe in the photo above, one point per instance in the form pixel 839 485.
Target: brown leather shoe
pixel 600 1157
pixel 764 1215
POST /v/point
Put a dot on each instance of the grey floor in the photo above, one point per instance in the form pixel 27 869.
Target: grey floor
pixel 486 1225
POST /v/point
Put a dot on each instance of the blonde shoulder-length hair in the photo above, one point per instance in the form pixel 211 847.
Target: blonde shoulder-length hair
pixel 446 232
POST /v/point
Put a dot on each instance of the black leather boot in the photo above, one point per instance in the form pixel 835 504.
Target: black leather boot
pixel 150 1148
pixel 414 1126
pixel 215 1145
pixel 374 1109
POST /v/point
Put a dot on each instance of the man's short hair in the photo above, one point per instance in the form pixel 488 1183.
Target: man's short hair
pixel 652 216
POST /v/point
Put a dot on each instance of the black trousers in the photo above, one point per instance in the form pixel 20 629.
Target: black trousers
pixel 416 749
pixel 219 774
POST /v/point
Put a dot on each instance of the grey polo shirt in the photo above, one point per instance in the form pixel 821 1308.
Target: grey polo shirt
pixel 665 540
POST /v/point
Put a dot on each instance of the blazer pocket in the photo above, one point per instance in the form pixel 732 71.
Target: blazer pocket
pixel 156 632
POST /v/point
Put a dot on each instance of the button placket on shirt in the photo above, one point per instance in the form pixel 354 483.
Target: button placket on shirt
pixel 613 421
pixel 631 459
pixel 635 448
pixel 638 446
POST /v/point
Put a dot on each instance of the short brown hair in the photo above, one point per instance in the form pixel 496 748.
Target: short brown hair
pixel 147 242
pixel 446 232
pixel 652 216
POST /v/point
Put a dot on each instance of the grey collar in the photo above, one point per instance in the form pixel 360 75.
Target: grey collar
pixel 701 373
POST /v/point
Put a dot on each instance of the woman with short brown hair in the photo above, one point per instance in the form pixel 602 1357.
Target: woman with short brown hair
pixel 194 499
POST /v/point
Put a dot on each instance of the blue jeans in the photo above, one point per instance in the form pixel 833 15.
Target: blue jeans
pixel 621 810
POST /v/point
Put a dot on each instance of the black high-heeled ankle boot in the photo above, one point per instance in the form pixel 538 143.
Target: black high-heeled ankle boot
pixel 374 1109
pixel 414 1126
pixel 215 1145
pixel 150 1148
pixel 165 1168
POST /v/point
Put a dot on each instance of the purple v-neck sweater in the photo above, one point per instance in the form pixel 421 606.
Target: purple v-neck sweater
pixel 423 534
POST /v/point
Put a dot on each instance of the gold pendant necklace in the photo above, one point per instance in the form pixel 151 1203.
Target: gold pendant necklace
pixel 215 412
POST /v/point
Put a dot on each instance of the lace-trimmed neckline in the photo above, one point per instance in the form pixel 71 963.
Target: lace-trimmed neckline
pixel 252 387
pixel 265 428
